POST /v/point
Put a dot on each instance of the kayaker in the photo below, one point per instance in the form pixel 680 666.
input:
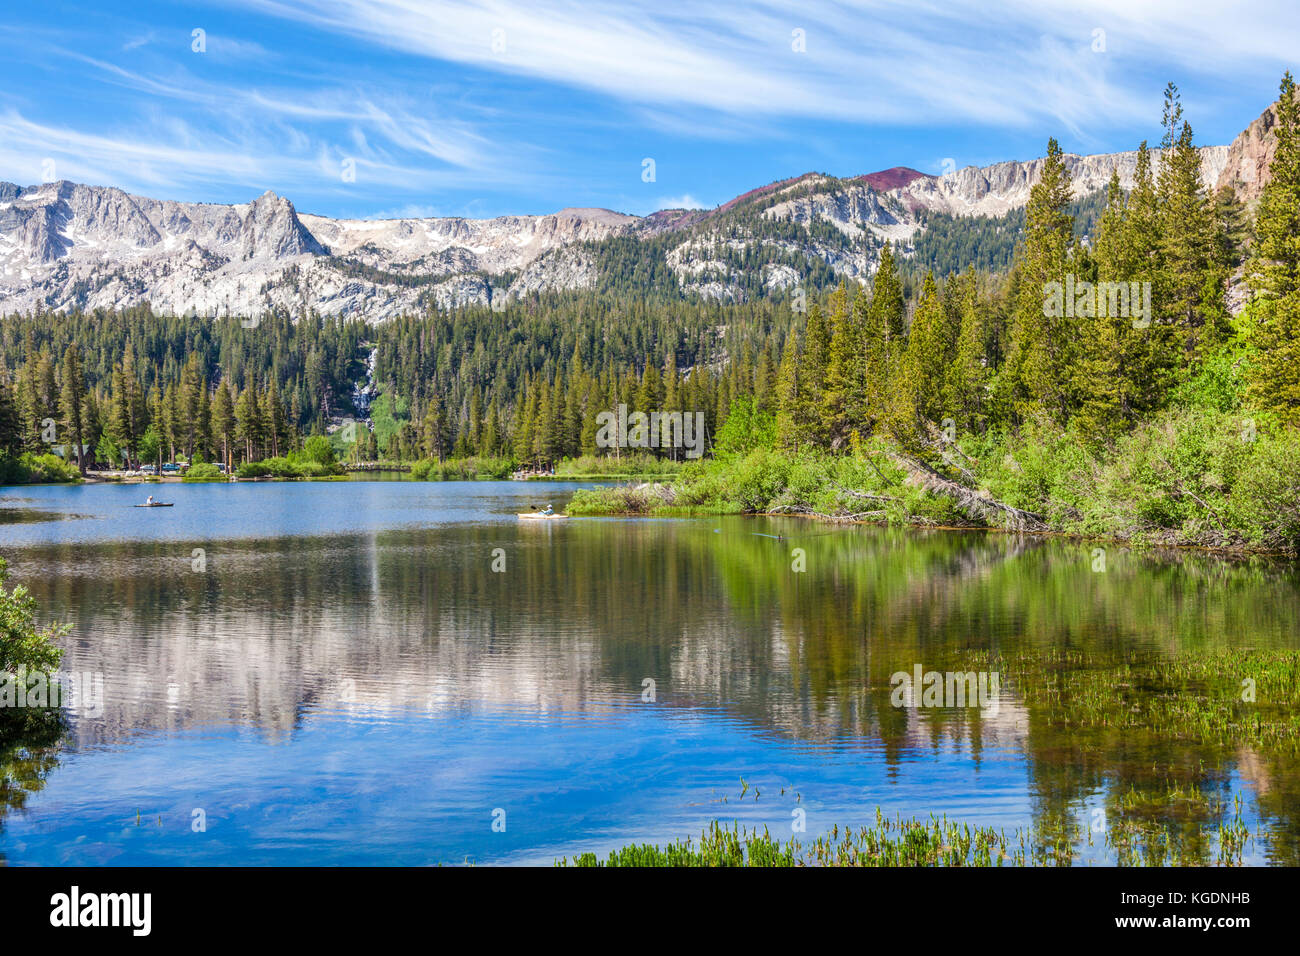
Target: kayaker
pixel 549 511
pixel 149 500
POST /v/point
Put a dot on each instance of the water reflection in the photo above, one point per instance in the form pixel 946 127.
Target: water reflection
pixel 366 628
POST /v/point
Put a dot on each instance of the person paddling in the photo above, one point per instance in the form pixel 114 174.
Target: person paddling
pixel 149 500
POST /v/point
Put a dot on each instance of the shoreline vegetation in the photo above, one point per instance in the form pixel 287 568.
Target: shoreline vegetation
pixel 1188 480
pixel 296 465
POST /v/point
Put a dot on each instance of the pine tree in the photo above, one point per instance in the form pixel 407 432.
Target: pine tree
pixel 919 392
pixel 435 435
pixel 73 395
pixel 842 367
pixel 11 429
pixel 543 425
pixel 276 426
pixel 525 422
pixel 223 423
pixel 1105 375
pixel 248 424
pixel 967 377
pixel 1044 333
pixel 787 395
pixel 474 434
pixel 203 424
pixel 490 443
pixel 187 405
pixel 812 379
pixel 1275 270
pixel 882 341
pixel 1190 284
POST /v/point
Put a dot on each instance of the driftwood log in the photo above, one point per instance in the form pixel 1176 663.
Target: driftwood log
pixel 974 504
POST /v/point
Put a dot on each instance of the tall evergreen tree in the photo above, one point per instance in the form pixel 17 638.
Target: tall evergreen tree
pixel 1044 331
pixel 72 404
pixel 1275 270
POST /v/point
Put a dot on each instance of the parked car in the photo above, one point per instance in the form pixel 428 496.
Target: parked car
pixel 170 466
pixel 148 470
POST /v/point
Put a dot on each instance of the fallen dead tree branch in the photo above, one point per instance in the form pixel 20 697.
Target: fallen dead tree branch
pixel 862 494
pixel 805 510
pixel 1182 489
pixel 969 500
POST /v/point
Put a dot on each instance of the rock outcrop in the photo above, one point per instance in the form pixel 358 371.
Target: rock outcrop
pixel 1249 157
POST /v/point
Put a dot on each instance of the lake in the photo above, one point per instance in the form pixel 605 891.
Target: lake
pixel 335 673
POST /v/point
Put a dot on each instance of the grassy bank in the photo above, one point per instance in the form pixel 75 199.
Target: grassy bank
pixel 1190 478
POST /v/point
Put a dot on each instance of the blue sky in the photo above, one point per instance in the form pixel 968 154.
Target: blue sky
pixel 468 108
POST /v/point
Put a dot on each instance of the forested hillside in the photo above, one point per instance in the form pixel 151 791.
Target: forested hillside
pixel 1085 322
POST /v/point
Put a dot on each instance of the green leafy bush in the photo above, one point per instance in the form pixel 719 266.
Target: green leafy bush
pixel 745 430
pixel 24 649
pixel 203 471
pixel 627 465
pixel 462 469
pixel 41 469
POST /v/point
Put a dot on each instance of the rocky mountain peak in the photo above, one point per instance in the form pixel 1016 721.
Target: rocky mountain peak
pixel 1250 155
pixel 66 245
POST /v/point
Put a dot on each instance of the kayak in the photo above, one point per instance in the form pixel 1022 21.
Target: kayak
pixel 158 504
pixel 538 516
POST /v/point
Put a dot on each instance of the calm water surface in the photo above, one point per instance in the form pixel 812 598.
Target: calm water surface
pixel 347 681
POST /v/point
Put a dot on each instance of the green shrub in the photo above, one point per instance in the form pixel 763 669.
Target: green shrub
pixel 319 450
pixel 203 471
pixel 745 430
pixel 48 468
pixel 615 500
pixel 627 465
pixel 24 649
pixel 462 469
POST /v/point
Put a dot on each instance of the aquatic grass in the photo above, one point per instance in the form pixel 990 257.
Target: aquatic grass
pixel 934 842
pixel 1229 698
pixel 938 842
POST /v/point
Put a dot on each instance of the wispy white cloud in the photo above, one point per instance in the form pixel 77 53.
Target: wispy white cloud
pixel 223 46
pixel 408 211
pixel 501 104
pixel 680 202
pixel 137 42
pixel 896 61
pixel 185 130
pixel 172 158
